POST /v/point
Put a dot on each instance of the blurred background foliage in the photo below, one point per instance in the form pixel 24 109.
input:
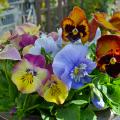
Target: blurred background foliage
pixel 51 14
pixel 91 6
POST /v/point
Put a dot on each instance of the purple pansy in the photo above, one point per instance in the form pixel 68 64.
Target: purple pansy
pixel 27 39
pixel 37 60
pixel 72 66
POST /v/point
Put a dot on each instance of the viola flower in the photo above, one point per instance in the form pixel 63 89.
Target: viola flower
pixel 27 39
pixel 9 52
pixel 97 98
pixel 112 24
pixel 75 26
pixel 72 66
pixel 36 60
pixel 45 42
pixel 108 54
pixel 54 91
pixel 28 28
pixel 27 76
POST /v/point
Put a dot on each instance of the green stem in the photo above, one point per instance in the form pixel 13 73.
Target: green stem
pixel 25 102
pixel 5 70
pixel 33 107
pixel 87 85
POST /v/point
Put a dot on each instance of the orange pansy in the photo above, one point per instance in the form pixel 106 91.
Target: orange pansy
pixel 75 26
pixel 108 54
pixel 112 24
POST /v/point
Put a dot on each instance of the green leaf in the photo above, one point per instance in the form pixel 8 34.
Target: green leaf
pixel 71 112
pixel 116 81
pixel 113 92
pixel 87 115
pixel 116 108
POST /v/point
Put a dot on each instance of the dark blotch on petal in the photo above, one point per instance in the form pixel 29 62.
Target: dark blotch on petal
pixel 113 69
pixel 69 28
pixel 81 29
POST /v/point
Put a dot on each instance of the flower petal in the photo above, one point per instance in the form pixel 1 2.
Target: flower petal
pixel 93 28
pixel 55 91
pixel 25 81
pixel 107 44
pixel 10 52
pixel 67 57
pixel 27 39
pixel 77 15
pixel 36 60
pixel 101 19
pixel 28 28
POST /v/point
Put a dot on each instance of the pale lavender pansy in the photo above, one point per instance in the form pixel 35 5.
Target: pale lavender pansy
pixel 10 52
pixel 48 43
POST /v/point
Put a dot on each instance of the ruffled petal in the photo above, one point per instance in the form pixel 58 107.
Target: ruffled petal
pixel 27 39
pixel 27 77
pixel 115 20
pixel 101 19
pixel 10 52
pixel 55 91
pixel 77 15
pixel 108 44
pixel 36 60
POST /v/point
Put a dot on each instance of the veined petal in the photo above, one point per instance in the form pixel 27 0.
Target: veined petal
pixel 36 60
pixel 10 52
pixel 77 15
pixel 93 28
pixel 115 20
pixel 101 19
pixel 108 44
pixel 55 91
pixel 27 39
pixel 27 77
pixel 28 28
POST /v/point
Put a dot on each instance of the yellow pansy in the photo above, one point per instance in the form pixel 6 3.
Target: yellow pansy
pixel 55 90
pixel 28 77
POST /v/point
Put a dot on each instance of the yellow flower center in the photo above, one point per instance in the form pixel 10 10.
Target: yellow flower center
pixel 76 71
pixel 28 77
pixel 113 60
pixel 75 31
pixel 55 90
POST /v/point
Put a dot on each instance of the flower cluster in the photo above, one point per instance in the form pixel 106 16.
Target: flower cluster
pixel 80 62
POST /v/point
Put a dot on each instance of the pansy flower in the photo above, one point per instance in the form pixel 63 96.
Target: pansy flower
pixel 28 28
pixel 54 90
pixel 9 52
pixel 46 42
pixel 28 74
pixel 108 54
pixel 72 67
pixel 75 26
pixel 112 24
pixel 27 39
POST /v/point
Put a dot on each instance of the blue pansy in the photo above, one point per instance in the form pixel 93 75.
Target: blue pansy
pixel 72 67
